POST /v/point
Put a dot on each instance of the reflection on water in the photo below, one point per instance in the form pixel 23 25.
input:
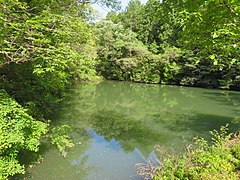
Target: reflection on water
pixel 119 123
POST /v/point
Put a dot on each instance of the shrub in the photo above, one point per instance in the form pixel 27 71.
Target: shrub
pixel 18 132
pixel 219 159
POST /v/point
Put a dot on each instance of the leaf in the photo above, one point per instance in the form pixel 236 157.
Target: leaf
pixel 212 57
pixel 215 35
pixel 233 61
pixel 215 62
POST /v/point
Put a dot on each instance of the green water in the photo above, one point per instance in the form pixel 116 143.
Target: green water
pixel 118 124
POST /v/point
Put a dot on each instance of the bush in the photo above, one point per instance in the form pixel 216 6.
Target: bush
pixel 18 132
pixel 218 160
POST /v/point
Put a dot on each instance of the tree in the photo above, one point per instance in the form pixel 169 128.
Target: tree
pixel 206 33
pixel 212 33
pixel 44 47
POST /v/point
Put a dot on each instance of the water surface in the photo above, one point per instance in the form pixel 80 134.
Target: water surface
pixel 117 125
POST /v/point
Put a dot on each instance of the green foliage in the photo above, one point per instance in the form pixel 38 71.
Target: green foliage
pixel 112 4
pixel 18 132
pixel 60 138
pixel 206 32
pixel 47 49
pixel 44 46
pixel 212 33
pixel 219 160
pixel 173 169
pixel 122 57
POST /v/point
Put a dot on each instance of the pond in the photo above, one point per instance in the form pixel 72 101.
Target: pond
pixel 116 125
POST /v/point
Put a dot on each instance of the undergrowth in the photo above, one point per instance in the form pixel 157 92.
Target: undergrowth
pixel 218 159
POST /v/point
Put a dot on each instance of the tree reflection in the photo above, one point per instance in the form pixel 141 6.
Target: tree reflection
pixel 131 133
pixel 140 115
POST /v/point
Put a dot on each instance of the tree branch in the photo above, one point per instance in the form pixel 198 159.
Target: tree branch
pixel 231 9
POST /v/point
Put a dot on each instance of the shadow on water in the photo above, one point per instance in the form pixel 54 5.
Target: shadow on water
pixel 230 98
pixel 29 158
pixel 202 123
pixel 224 97
pixel 198 123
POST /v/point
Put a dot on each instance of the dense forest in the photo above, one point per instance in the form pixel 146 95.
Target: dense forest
pixel 45 46
pixel 175 42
